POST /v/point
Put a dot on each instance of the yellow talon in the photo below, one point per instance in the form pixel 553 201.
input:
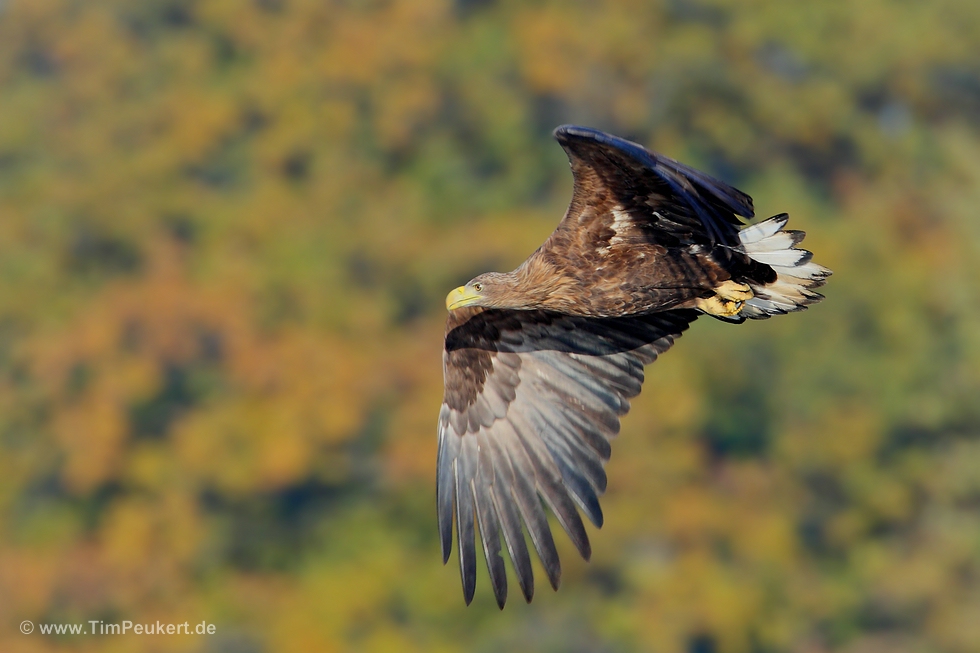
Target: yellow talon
pixel 734 291
pixel 727 300
pixel 718 306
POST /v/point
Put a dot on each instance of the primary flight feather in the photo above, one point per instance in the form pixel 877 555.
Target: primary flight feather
pixel 540 363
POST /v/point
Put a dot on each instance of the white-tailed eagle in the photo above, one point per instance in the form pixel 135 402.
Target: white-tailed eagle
pixel 540 363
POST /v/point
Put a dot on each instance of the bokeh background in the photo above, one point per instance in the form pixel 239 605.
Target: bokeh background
pixel 226 231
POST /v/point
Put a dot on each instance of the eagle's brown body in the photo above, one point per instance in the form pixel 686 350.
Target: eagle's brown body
pixel 540 363
pixel 629 277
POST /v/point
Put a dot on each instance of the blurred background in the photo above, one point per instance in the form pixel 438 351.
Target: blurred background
pixel 226 231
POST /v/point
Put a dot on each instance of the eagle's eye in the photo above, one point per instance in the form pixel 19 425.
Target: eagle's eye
pixel 478 287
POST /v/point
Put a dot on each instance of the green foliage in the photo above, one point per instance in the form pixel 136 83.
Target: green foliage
pixel 226 229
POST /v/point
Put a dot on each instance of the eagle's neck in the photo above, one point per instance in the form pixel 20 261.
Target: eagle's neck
pixel 539 285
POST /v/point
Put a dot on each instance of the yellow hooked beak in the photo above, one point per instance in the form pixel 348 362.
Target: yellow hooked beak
pixel 462 297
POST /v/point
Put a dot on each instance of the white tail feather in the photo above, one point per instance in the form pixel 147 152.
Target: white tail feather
pixel 787 258
pixel 764 229
pixel 796 274
pixel 778 241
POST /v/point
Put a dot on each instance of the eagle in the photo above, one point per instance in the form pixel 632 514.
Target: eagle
pixel 540 363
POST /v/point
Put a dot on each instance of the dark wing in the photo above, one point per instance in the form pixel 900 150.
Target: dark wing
pixel 532 399
pixel 674 204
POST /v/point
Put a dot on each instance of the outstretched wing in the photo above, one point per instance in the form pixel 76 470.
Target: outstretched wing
pixel 620 185
pixel 532 399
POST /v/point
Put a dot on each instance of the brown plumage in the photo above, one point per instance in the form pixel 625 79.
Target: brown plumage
pixel 540 363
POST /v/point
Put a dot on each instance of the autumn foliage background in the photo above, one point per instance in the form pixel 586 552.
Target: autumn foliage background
pixel 226 231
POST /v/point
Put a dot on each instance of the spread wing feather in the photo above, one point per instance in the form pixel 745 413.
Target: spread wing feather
pixel 676 204
pixel 464 475
pixel 532 400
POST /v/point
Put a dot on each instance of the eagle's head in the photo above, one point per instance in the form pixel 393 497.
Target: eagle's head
pixel 489 290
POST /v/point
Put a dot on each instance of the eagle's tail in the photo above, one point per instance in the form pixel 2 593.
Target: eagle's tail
pixel 796 275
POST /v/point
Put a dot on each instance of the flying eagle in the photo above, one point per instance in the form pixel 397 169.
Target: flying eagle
pixel 540 363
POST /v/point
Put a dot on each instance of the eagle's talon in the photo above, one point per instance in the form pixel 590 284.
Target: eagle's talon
pixel 728 300
pixel 734 291
pixel 719 306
